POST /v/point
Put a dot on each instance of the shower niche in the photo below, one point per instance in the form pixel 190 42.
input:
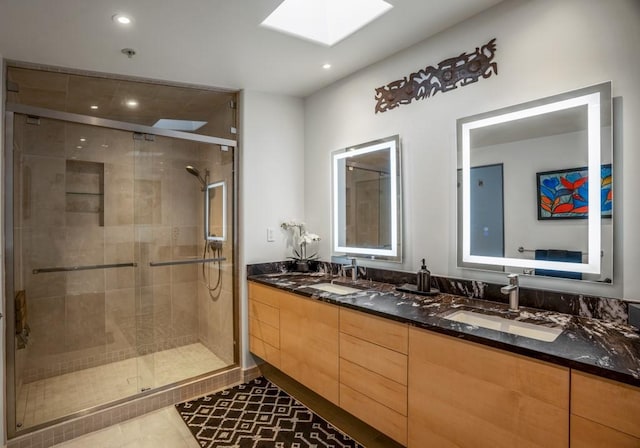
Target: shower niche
pixel 84 192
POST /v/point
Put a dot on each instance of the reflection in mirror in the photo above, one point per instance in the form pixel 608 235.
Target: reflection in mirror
pixel 216 212
pixel 366 200
pixel 526 204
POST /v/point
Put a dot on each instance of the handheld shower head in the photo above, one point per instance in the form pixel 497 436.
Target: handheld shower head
pixel 194 171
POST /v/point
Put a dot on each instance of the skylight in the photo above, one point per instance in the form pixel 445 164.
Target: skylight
pixel 324 21
pixel 179 125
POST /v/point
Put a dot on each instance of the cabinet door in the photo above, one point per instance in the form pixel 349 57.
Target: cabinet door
pixel 309 344
pixel 463 394
pixel 602 409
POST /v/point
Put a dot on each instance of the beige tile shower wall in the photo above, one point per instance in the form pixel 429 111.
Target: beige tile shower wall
pixel 87 318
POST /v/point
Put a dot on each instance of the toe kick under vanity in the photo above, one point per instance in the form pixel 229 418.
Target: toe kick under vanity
pixel 396 362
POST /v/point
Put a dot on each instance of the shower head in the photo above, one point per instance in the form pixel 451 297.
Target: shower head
pixel 194 171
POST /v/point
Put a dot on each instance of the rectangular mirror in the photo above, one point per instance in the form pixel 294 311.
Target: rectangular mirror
pixel 215 212
pixel 367 200
pixel 525 202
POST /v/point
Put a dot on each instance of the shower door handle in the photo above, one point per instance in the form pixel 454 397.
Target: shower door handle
pixel 84 268
pixel 188 261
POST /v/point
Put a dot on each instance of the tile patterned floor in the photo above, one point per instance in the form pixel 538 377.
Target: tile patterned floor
pixel 159 429
pixel 51 398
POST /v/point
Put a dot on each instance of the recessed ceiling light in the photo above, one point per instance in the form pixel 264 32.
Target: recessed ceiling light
pixel 94 107
pixel 79 147
pixel 121 19
pixel 132 103
pixel 326 66
pixel 82 139
pixel 324 21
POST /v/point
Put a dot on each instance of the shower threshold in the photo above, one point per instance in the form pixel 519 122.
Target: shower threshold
pixel 52 398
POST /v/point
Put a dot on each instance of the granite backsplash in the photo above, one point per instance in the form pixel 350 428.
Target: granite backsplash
pixel 603 308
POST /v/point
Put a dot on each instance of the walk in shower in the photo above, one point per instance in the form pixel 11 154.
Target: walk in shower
pixel 120 263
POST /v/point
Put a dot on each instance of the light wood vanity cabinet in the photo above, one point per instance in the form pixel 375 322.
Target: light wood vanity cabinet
pixel 373 371
pixel 426 389
pixel 463 394
pixel 603 413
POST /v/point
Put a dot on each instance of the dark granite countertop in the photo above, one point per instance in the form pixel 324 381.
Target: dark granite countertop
pixel 606 349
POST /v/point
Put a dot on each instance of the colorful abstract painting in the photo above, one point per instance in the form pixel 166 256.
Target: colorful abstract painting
pixel 564 194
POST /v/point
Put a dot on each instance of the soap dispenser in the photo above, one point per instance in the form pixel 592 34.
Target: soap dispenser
pixel 424 278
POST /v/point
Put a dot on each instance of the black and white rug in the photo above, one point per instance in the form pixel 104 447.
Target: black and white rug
pixel 258 414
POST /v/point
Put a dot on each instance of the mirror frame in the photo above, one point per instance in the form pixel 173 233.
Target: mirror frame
pixel 595 98
pixel 391 144
pixel 207 200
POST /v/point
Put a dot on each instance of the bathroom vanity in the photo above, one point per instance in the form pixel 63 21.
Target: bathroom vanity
pixel 395 361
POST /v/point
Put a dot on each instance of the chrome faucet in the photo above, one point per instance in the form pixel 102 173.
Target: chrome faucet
pixel 513 290
pixel 354 268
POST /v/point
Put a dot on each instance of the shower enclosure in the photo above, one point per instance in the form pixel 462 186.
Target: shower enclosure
pixel 113 287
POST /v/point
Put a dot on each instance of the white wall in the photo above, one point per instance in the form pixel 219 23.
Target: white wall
pixel 543 48
pixel 271 183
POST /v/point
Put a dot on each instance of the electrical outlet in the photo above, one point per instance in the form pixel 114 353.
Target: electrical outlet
pixel 270 237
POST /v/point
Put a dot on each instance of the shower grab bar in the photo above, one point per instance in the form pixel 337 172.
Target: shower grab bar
pixel 189 261
pixel 84 268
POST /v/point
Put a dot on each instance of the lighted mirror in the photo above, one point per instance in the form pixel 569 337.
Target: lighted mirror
pixel 216 212
pixel 526 199
pixel 367 200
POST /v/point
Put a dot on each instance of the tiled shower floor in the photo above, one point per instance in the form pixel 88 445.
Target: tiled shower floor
pixel 51 398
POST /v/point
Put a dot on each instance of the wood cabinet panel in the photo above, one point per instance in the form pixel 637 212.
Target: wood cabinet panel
pixel 383 390
pixel 385 362
pixel 265 294
pixel 265 351
pixel 377 415
pixel 264 323
pixel 463 394
pixel 588 434
pixel 380 331
pixel 309 344
pixel 607 402
pixel 264 313
pixel 261 330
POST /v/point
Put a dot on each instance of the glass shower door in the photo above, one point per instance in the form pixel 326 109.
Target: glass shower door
pixel 184 304
pixel 73 266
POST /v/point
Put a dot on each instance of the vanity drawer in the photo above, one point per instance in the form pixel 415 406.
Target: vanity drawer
pixel 265 351
pixel 264 313
pixel 377 387
pixel 606 402
pixel 266 332
pixel 265 294
pixel 380 331
pixel 588 434
pixel 380 360
pixel 377 415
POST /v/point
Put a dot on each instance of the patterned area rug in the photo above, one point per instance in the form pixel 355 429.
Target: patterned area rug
pixel 258 414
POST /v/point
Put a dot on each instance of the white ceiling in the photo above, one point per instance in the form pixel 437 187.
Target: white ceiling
pixel 217 43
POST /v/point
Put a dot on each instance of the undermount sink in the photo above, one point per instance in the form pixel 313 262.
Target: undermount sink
pixel 334 288
pixel 533 331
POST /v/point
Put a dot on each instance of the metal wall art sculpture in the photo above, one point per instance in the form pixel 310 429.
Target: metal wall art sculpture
pixel 450 73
